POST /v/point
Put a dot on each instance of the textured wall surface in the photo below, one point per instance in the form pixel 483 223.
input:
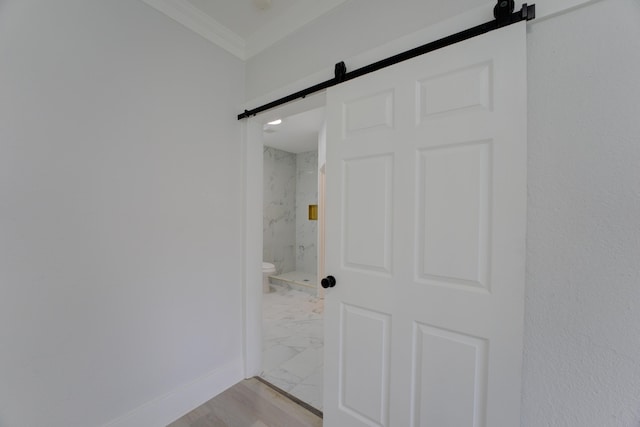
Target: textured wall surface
pixel 582 324
pixel 279 209
pixel 306 230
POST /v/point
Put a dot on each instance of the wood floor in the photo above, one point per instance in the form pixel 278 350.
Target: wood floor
pixel 249 403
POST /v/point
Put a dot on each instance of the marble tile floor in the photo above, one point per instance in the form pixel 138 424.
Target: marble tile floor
pixel 293 343
pixel 296 280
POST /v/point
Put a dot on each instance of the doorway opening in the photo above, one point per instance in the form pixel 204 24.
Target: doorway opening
pixel 292 300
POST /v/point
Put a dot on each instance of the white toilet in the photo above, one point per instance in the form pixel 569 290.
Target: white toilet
pixel 267 270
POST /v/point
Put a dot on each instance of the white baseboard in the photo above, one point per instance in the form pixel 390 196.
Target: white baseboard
pixel 168 408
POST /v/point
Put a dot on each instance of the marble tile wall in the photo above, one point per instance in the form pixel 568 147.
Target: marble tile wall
pixel 279 218
pixel 306 230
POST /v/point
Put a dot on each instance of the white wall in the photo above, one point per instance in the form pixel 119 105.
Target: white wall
pixel 582 326
pixel 120 215
pixel 581 363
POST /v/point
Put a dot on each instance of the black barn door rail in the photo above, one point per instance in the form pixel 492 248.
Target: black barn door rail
pixel 504 15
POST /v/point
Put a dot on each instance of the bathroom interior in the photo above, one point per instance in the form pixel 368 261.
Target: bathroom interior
pixel 292 298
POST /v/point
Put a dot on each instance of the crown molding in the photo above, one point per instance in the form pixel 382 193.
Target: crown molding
pixel 203 24
pixel 290 20
pixel 194 19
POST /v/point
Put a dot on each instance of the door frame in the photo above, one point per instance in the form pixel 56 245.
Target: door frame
pixel 252 175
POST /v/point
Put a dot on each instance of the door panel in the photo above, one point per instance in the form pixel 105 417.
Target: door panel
pixel 364 365
pixel 426 221
pixel 368 210
pixel 456 91
pixel 454 192
pixel 448 367
pixel 370 112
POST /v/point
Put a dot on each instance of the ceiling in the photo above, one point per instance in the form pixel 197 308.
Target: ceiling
pixel 244 27
pixel 297 133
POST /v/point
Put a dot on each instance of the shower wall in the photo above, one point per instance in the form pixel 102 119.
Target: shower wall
pixel 279 218
pixel 290 186
pixel 306 230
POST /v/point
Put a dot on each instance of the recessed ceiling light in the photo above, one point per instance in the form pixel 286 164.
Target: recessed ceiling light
pixel 275 122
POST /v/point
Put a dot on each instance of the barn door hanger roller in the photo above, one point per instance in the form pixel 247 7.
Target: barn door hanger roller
pixel 503 12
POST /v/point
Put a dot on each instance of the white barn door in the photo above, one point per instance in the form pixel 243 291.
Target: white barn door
pixel 426 218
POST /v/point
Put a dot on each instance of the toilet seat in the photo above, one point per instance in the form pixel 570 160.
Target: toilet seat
pixel 267 267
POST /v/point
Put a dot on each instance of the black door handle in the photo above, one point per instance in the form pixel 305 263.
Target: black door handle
pixel 328 282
